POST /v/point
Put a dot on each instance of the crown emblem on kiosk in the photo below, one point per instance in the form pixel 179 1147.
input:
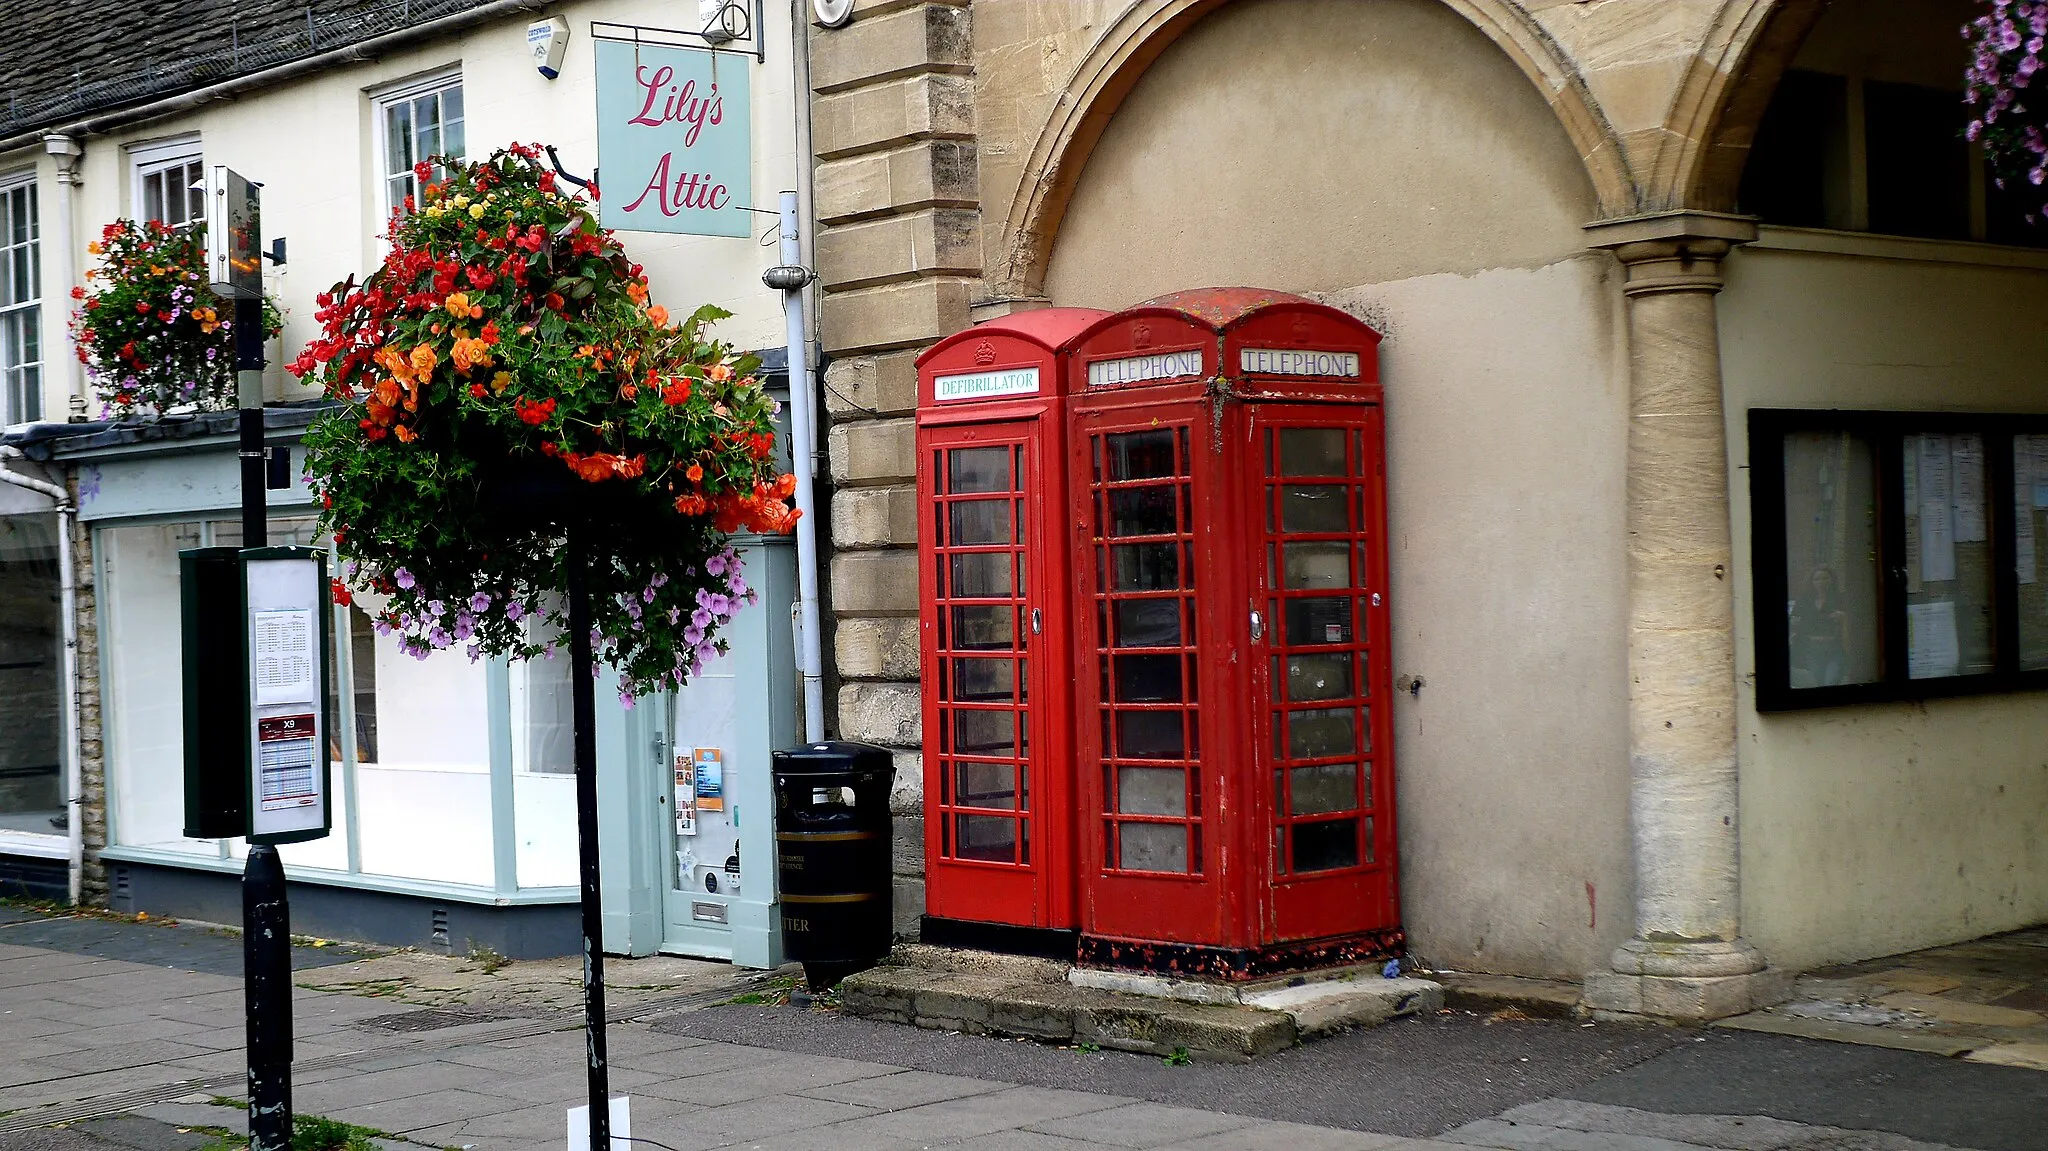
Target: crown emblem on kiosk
pixel 1301 328
pixel 984 353
pixel 1141 334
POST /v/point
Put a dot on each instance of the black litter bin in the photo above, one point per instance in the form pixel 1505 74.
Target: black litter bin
pixel 832 835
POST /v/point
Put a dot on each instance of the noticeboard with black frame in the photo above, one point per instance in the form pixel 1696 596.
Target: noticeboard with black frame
pixel 288 675
pixel 1895 555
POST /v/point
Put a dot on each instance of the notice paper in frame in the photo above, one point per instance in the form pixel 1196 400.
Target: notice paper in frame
pixel 285 593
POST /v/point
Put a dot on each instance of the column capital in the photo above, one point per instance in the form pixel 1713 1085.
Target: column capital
pixel 1672 251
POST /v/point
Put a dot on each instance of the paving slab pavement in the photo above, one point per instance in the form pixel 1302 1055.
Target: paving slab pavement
pixel 107 1048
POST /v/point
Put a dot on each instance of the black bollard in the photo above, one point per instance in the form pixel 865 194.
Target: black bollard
pixel 267 990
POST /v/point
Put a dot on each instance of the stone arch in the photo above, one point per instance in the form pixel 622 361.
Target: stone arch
pixel 1699 160
pixel 1120 56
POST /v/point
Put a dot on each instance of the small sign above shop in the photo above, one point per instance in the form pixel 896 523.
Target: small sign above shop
pixel 978 385
pixel 1297 362
pixel 674 139
pixel 1140 369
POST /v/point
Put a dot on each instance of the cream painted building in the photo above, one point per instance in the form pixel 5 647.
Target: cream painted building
pixel 1599 239
pixel 454 811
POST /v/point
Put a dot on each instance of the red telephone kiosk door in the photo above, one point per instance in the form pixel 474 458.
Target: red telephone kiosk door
pixel 1313 494
pixel 1229 541
pixel 998 772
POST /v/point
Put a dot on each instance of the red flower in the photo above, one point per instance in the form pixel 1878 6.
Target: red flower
pixel 532 413
pixel 78 293
pixel 341 596
pixel 142 307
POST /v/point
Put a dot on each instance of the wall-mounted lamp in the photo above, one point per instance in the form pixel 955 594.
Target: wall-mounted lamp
pixel 833 13
pixel 548 41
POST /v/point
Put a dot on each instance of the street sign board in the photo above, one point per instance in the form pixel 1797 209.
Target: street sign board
pixel 234 236
pixel 674 139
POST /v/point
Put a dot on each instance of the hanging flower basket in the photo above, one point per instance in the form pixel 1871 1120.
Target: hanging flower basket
pixel 151 333
pixel 511 403
pixel 2007 91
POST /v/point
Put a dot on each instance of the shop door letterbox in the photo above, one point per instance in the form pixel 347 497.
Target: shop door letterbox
pixel 1234 747
pixel 994 597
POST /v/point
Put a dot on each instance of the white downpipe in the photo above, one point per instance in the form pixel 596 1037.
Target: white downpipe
pixel 60 258
pixel 803 451
pixel 67 670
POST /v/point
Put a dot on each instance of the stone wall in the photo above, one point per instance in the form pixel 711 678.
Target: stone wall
pixel 92 753
pixel 898 255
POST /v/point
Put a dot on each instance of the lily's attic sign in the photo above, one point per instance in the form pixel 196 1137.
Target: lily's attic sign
pixel 674 139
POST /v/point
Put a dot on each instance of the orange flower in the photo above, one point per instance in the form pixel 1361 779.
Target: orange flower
pixel 470 353
pixel 457 304
pixel 696 473
pixel 423 360
pixel 392 360
pixel 719 372
pixel 405 434
pixel 386 392
pixel 500 382
pixel 637 291
pixel 659 316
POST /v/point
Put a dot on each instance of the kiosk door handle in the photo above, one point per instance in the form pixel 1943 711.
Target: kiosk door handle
pixel 1258 627
pixel 1037 621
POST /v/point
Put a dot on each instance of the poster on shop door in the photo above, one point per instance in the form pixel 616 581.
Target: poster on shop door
pixel 674 139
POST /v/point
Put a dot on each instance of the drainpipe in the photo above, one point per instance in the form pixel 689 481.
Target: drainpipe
pixel 791 277
pixel 59 256
pixel 67 672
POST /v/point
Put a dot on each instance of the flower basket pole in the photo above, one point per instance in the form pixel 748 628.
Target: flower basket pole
pixel 522 437
pixel 583 705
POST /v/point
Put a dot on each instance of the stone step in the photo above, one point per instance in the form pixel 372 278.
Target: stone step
pixel 992 1000
pixel 1539 998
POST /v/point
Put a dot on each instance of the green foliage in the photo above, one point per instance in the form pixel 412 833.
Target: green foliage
pixel 1179 1058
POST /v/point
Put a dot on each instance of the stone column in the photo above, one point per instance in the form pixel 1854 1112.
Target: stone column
pixel 1687 959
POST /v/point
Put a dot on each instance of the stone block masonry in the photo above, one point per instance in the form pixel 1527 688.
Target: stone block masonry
pixel 899 262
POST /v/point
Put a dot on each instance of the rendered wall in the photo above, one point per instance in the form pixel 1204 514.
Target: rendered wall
pixel 1391 158
pixel 312 145
pixel 1880 828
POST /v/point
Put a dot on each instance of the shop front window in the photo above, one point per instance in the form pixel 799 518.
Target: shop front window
pixel 31 690
pixel 416 741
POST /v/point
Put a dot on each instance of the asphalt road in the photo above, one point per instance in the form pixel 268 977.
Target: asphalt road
pixel 1422 1077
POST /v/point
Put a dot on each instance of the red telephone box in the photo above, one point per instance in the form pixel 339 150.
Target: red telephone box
pixel 1230 629
pixel 993 592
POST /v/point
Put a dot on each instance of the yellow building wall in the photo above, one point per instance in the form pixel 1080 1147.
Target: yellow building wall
pixel 1879 828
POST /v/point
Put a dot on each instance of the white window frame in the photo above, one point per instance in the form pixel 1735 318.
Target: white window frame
pixel 23 319
pixel 155 159
pixel 395 182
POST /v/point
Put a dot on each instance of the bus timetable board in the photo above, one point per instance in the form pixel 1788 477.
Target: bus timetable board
pixel 286 614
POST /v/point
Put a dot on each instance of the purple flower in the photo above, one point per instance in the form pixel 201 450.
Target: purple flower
pixel 626 700
pixel 514 609
pixel 700 619
pixel 716 564
pixel 402 578
pixel 693 634
pixel 480 601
